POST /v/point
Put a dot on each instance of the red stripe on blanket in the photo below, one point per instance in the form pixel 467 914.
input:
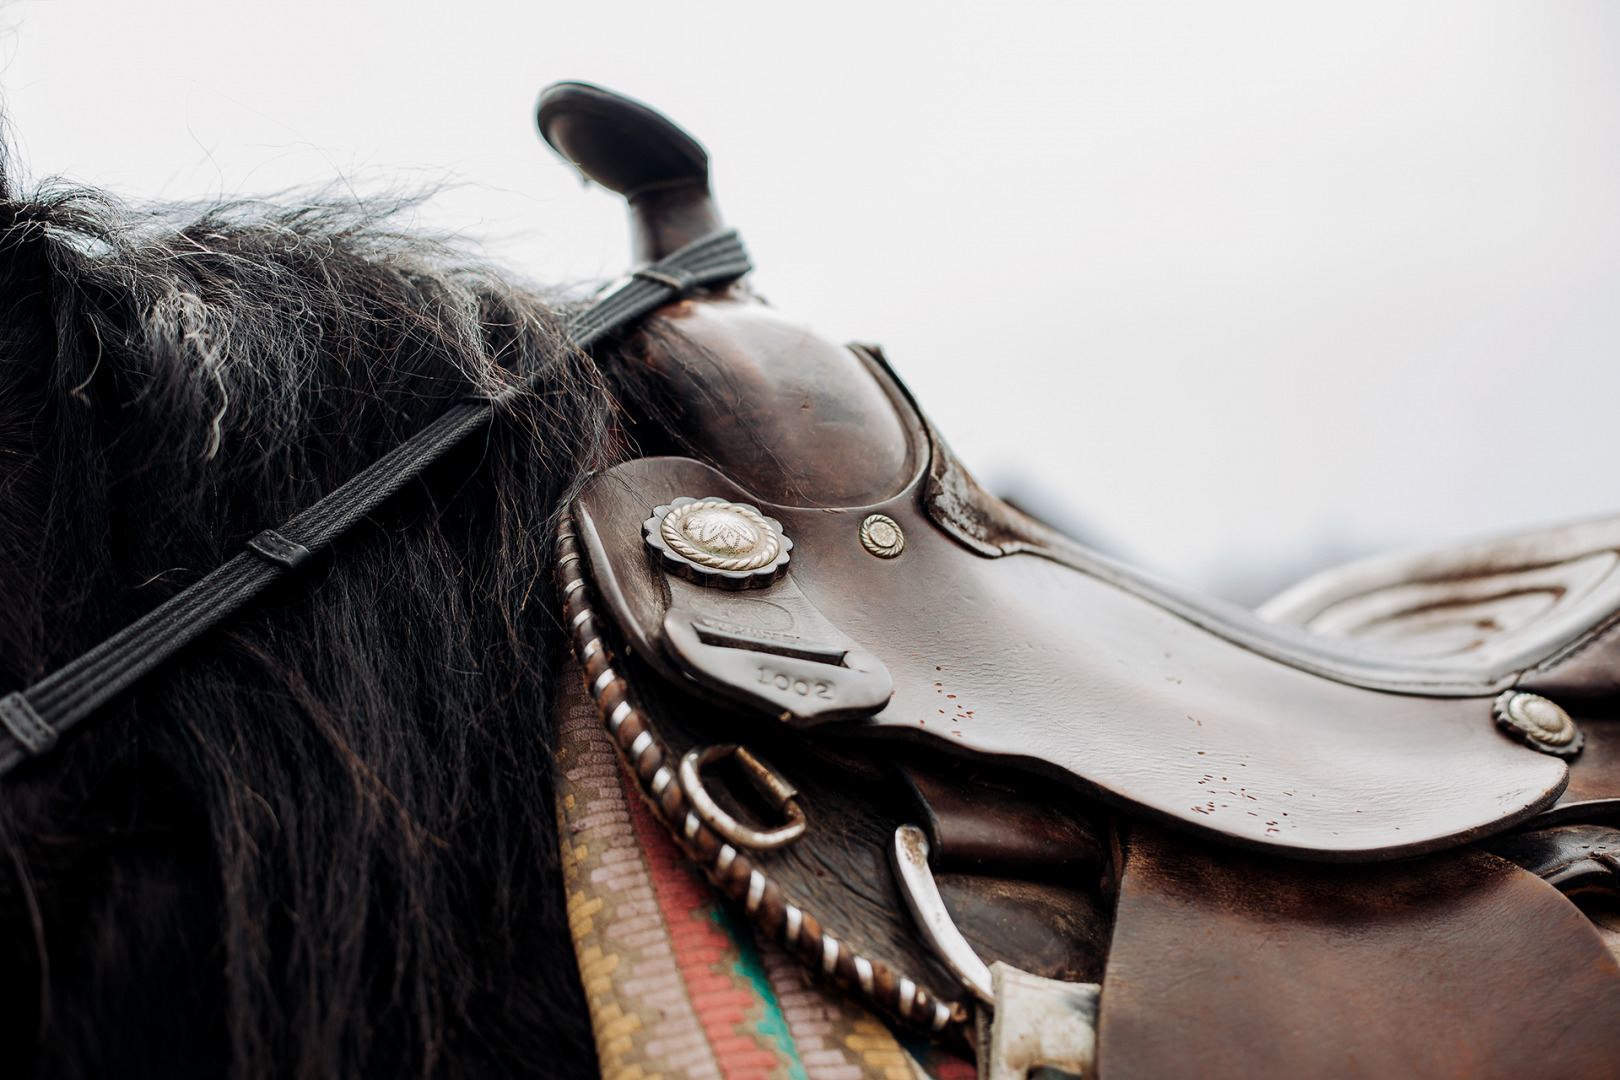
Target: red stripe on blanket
pixel 700 948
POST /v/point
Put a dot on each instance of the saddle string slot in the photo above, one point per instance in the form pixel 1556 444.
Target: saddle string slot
pixel 771 786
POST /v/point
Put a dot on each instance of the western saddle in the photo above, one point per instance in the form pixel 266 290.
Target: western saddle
pixel 1025 800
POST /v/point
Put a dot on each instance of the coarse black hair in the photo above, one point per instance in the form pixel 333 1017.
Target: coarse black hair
pixel 321 841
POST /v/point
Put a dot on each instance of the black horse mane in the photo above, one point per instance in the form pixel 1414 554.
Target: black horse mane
pixel 322 841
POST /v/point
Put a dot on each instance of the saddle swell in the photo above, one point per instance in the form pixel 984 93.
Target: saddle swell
pixel 791 562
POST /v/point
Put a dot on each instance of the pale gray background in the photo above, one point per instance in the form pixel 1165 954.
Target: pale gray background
pixel 1239 287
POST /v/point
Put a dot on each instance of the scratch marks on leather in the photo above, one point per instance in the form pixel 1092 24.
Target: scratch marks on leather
pixel 954 711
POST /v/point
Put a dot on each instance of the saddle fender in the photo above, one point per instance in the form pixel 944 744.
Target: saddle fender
pixel 1236 965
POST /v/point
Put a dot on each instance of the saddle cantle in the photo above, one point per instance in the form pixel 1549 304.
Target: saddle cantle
pixel 792 570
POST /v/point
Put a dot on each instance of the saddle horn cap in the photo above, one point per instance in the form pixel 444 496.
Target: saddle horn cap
pixel 634 150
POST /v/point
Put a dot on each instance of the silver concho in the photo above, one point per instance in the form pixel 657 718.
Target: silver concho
pixel 881 535
pixel 1538 723
pixel 712 540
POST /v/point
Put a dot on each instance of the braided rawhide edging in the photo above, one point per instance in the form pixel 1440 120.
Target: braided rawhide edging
pixel 732 871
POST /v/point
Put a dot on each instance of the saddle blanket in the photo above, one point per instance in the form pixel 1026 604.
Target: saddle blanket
pixel 678 985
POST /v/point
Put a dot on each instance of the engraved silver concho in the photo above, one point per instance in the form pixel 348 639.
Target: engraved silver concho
pixel 718 542
pixel 881 535
pixel 1538 723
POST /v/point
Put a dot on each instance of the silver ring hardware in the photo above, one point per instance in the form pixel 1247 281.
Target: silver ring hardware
pixel 775 790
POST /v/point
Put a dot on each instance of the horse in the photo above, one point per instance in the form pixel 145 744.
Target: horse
pixel 322 843
pixel 345 830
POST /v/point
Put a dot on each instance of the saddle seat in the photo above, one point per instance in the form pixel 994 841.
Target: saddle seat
pixel 1541 603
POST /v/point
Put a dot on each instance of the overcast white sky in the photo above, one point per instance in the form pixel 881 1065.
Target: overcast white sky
pixel 1240 284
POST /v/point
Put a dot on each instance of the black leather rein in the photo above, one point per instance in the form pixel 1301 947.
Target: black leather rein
pixel 32 720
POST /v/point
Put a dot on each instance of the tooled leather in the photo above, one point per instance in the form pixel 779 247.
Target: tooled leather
pixel 1135 690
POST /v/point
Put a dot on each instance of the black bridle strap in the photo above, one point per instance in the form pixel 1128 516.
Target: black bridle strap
pixel 31 720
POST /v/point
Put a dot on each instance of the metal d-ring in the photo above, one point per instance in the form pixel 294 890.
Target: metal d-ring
pixel 772 787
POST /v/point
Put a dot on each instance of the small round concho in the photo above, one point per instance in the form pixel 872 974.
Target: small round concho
pixel 1538 723
pixel 880 535
pixel 712 541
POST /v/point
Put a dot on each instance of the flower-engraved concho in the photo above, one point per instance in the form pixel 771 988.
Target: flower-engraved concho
pixel 712 541
pixel 1538 723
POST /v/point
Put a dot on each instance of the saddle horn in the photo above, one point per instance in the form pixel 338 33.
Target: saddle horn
pixel 662 172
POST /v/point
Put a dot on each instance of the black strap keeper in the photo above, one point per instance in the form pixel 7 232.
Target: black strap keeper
pixel 19 718
pixel 670 277
pixel 273 547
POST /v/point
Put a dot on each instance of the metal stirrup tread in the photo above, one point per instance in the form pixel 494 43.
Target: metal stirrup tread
pixel 32 719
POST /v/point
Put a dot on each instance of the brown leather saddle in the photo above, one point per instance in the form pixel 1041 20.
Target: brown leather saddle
pixel 1027 801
